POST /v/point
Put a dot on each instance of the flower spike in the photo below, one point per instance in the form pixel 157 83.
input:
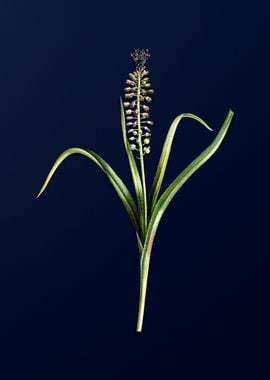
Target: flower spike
pixel 138 88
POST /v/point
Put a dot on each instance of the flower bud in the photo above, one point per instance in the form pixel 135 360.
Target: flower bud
pixel 145 108
pixel 130 95
pixel 147 122
pixel 145 80
pixel 146 149
pixel 133 76
pixel 128 81
pixel 144 73
pixel 146 129
pixel 144 115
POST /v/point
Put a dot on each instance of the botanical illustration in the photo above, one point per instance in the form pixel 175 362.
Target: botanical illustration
pixel 147 208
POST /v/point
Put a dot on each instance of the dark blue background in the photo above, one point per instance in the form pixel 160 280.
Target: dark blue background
pixel 68 261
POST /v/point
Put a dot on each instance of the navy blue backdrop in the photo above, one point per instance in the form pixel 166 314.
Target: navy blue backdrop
pixel 68 261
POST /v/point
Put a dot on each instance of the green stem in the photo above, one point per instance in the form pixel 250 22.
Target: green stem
pixel 145 261
pixel 144 226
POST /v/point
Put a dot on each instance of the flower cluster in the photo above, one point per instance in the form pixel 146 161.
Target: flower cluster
pixel 140 57
pixel 137 96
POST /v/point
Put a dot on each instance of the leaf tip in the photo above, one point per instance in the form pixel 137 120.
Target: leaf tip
pixel 39 194
pixel 43 188
pixel 230 115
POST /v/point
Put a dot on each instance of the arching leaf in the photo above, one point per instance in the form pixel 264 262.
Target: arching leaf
pixel 165 154
pixel 115 180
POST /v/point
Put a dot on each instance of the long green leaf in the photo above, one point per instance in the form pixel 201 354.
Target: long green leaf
pixel 173 188
pixel 115 180
pixel 165 154
pixel 133 168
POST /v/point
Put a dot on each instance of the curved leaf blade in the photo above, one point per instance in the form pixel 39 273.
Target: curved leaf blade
pixel 165 154
pixel 173 188
pixel 115 180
